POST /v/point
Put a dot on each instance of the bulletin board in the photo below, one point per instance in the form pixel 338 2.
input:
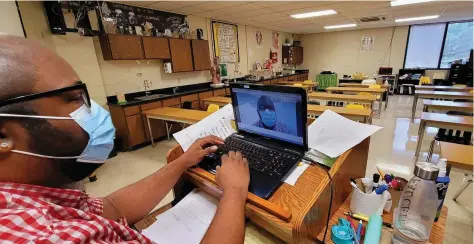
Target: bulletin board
pixel 226 42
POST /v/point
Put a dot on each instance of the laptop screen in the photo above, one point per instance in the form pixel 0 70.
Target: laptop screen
pixel 276 115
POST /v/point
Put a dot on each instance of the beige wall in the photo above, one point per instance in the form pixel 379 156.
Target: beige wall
pixel 340 51
pixel 106 78
pixel 9 19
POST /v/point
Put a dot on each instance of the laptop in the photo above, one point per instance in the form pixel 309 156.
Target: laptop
pixel 271 133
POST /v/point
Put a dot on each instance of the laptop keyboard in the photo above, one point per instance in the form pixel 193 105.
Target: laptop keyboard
pixel 262 159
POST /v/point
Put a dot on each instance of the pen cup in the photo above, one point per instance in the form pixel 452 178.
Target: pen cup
pixel 367 204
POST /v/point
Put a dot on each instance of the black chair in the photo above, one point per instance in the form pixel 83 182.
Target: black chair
pixel 453 136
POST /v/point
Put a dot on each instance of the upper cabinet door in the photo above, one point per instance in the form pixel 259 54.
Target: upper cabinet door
pixel 126 47
pixel 156 48
pixel 201 57
pixel 181 56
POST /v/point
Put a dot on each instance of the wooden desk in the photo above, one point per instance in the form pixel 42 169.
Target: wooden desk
pixel 429 105
pixel 362 85
pixel 342 97
pixel 364 115
pixel 376 91
pixel 459 156
pixel 438 95
pixel 453 122
pixel 437 231
pixel 179 115
pixel 444 88
pixel 307 200
pixel 312 84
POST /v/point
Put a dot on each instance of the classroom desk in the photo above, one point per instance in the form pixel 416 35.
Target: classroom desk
pixel 362 85
pixel 429 105
pixel 376 91
pixel 307 201
pixel 179 115
pixel 438 95
pixel 437 231
pixel 364 115
pixel 444 88
pixel 342 97
pixel 312 84
pixel 453 122
pixel 458 155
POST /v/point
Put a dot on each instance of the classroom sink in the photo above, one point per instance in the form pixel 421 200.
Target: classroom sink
pixel 151 97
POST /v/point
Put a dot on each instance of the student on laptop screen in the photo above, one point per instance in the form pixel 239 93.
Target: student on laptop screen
pixel 268 117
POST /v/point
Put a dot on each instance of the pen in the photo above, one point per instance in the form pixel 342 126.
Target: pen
pixel 355 235
pixel 357 216
pixel 359 229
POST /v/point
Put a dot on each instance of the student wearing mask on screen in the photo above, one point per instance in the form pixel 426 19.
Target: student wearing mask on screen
pixel 268 117
pixel 52 134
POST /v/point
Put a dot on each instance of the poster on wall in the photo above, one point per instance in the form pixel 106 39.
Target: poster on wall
pixel 259 39
pixel 124 19
pixel 226 42
pixel 367 43
pixel 275 36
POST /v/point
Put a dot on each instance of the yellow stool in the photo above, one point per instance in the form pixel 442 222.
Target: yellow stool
pixel 298 85
pixel 425 80
pixel 460 85
pixel 308 81
pixel 212 108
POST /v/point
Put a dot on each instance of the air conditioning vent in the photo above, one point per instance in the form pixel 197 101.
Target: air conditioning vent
pixel 371 19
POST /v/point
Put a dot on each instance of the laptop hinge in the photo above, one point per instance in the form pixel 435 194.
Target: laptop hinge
pixel 292 151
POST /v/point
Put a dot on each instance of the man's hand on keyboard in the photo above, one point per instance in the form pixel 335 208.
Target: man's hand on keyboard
pixel 233 175
pixel 201 148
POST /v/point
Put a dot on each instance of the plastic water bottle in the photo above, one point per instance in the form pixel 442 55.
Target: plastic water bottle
pixel 417 207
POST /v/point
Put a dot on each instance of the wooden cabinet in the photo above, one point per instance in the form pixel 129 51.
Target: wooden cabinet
pixel 181 55
pixel 292 55
pixel 267 82
pixel 156 48
pixel 204 95
pixel 219 93
pixel 193 98
pixel 172 102
pixel 121 47
pixel 201 57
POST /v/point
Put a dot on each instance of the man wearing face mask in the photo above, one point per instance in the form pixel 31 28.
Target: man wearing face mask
pixel 268 116
pixel 52 134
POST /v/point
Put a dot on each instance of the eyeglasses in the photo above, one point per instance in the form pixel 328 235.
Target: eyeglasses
pixel 80 86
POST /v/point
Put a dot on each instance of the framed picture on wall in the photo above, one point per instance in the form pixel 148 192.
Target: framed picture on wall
pixel 225 38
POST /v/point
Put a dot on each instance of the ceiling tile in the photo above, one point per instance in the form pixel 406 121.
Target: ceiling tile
pixel 137 3
pixel 299 5
pixel 240 8
pixel 272 3
pixel 254 13
pixel 165 5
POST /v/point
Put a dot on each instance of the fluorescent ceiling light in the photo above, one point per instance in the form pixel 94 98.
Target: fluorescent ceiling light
pixel 313 14
pixel 405 2
pixel 339 26
pixel 417 18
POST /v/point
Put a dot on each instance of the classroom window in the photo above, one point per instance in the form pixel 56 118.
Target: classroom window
pixel 458 43
pixel 435 46
pixel 424 46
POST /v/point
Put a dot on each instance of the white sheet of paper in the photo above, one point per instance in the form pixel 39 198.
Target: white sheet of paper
pixel 187 222
pixel 218 124
pixel 333 134
pixel 297 172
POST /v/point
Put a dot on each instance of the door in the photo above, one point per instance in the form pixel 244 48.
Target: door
pixel 126 47
pixel 181 56
pixel 201 58
pixel 156 48
pixel 136 129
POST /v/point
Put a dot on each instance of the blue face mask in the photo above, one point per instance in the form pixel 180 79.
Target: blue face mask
pixel 268 117
pixel 96 122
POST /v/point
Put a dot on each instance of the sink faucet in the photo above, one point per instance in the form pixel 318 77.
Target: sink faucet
pixel 175 89
pixel 147 84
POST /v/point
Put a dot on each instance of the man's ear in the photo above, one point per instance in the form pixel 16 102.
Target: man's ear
pixel 6 143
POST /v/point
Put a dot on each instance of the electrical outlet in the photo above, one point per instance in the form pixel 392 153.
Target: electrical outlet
pixel 139 74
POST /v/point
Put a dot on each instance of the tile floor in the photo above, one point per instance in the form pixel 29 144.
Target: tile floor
pixel 394 145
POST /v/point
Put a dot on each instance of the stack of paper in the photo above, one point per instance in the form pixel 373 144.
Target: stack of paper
pixel 218 124
pixel 333 134
pixel 187 222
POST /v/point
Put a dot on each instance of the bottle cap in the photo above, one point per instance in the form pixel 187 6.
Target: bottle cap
pixel 381 189
pixel 376 178
pixel 426 171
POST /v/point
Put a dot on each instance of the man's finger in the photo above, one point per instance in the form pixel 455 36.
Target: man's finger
pixel 232 155
pixel 209 150
pixel 238 156
pixel 224 158
pixel 212 140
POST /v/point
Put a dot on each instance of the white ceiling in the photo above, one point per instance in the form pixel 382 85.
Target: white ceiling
pixel 275 15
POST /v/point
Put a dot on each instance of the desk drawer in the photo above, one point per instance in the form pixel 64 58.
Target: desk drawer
pixel 150 106
pixel 192 97
pixel 171 102
pixel 267 82
pixel 227 91
pixel 129 111
pixel 220 92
